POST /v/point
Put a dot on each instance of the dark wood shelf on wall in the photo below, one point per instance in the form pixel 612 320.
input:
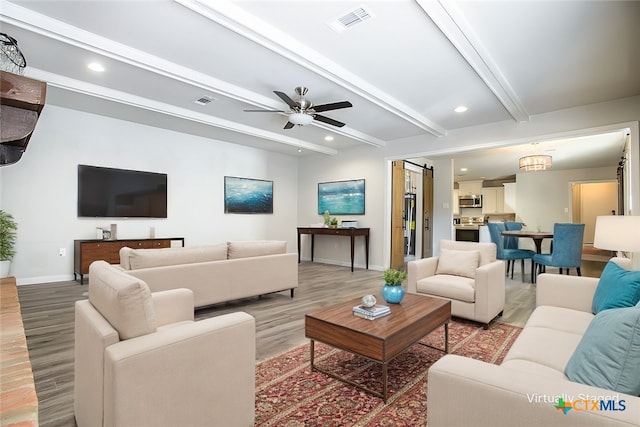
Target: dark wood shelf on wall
pixel 21 101
pixel 87 251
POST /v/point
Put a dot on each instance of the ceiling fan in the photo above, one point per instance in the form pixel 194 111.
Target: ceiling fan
pixel 303 111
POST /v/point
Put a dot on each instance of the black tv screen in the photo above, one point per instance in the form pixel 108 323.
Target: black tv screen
pixel 118 193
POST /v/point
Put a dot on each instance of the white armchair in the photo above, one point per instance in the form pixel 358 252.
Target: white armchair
pixel 141 360
pixel 468 274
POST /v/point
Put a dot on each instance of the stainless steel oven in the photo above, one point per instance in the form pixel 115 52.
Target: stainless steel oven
pixel 467 234
pixel 470 201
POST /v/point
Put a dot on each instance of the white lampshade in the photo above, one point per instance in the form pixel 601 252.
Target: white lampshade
pixel 619 233
pixel 300 119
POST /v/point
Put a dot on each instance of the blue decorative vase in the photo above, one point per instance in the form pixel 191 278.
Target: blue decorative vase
pixel 393 294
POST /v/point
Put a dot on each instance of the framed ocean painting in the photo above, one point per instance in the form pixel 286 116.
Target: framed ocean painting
pixel 341 197
pixel 247 195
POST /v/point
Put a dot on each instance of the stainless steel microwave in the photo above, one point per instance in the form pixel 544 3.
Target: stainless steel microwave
pixel 471 201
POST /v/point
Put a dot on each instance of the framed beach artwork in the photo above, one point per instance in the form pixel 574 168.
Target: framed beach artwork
pixel 247 195
pixel 341 197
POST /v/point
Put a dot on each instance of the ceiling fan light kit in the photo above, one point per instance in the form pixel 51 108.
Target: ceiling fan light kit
pixel 536 162
pixel 300 119
pixel 303 112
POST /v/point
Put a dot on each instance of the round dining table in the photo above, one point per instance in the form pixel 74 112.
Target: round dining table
pixel 537 236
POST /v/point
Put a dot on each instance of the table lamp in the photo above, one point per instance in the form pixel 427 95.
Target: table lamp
pixel 619 233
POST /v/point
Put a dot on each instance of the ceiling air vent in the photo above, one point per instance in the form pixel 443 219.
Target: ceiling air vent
pixel 350 19
pixel 204 100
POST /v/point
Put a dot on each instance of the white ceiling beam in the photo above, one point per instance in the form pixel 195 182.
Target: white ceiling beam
pixel 236 19
pixel 124 98
pixel 56 30
pixel 448 17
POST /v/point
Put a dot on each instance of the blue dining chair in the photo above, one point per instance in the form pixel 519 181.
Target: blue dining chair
pixel 508 254
pixel 566 249
pixel 512 242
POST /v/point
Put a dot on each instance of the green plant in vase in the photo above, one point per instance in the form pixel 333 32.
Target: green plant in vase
pixel 392 291
pixel 327 218
pixel 8 228
pixel 334 223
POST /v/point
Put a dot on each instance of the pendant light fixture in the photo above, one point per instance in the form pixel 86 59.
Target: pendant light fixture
pixel 535 162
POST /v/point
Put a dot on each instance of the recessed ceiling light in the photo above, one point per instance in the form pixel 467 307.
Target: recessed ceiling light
pixel 460 109
pixel 463 169
pixel 299 150
pixel 95 66
pixel 328 138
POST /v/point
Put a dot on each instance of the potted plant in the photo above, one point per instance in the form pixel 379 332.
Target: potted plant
pixel 327 219
pixel 8 229
pixel 392 291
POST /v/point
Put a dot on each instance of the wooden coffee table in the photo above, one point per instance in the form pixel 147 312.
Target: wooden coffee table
pixel 381 339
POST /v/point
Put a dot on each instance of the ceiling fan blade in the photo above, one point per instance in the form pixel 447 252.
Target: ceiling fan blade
pixel 290 102
pixel 264 111
pixel 332 106
pixel 289 125
pixel 327 120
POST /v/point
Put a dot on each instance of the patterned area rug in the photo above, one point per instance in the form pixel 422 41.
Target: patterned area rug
pixel 289 394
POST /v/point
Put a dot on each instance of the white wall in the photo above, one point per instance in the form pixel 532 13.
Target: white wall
pixel 589 119
pixel 358 163
pixel 442 203
pixel 585 120
pixel 543 197
pixel 41 189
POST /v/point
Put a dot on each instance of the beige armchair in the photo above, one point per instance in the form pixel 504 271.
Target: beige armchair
pixel 141 360
pixel 468 274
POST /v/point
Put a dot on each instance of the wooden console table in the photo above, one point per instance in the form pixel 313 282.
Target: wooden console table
pixel 87 251
pixel 350 232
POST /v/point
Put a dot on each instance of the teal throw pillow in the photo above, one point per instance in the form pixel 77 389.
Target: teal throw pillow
pixel 617 288
pixel 607 355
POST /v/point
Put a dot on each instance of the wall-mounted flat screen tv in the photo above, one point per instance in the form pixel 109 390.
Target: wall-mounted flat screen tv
pixel 120 193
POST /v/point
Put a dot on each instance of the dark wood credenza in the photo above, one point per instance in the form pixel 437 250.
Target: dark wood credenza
pixel 87 251
pixel 349 232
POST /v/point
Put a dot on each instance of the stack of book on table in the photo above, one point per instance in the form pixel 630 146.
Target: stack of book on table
pixel 371 312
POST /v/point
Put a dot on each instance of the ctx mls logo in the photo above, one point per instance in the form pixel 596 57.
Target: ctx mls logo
pixel 563 406
pixel 590 405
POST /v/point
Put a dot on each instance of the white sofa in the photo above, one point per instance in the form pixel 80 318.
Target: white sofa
pixel 521 391
pixel 141 360
pixel 216 273
pixel 467 274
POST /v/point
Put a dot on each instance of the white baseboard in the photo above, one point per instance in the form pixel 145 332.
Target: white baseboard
pixel 43 279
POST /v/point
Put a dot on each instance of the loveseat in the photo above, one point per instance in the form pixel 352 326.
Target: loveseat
pixel 141 359
pixel 532 386
pixel 216 273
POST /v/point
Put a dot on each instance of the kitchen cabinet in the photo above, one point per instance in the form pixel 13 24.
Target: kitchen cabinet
pixel 467 188
pixel 492 200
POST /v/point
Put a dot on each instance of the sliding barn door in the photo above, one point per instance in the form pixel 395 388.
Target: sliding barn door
pixel 397 214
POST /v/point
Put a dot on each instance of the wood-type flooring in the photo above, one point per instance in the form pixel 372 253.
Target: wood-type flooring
pixel 48 313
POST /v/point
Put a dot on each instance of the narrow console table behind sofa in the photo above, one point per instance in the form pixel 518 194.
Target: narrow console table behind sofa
pixel 87 251
pixel 351 232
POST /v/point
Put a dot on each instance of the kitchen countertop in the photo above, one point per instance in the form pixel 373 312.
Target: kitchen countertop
pixel 468 226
